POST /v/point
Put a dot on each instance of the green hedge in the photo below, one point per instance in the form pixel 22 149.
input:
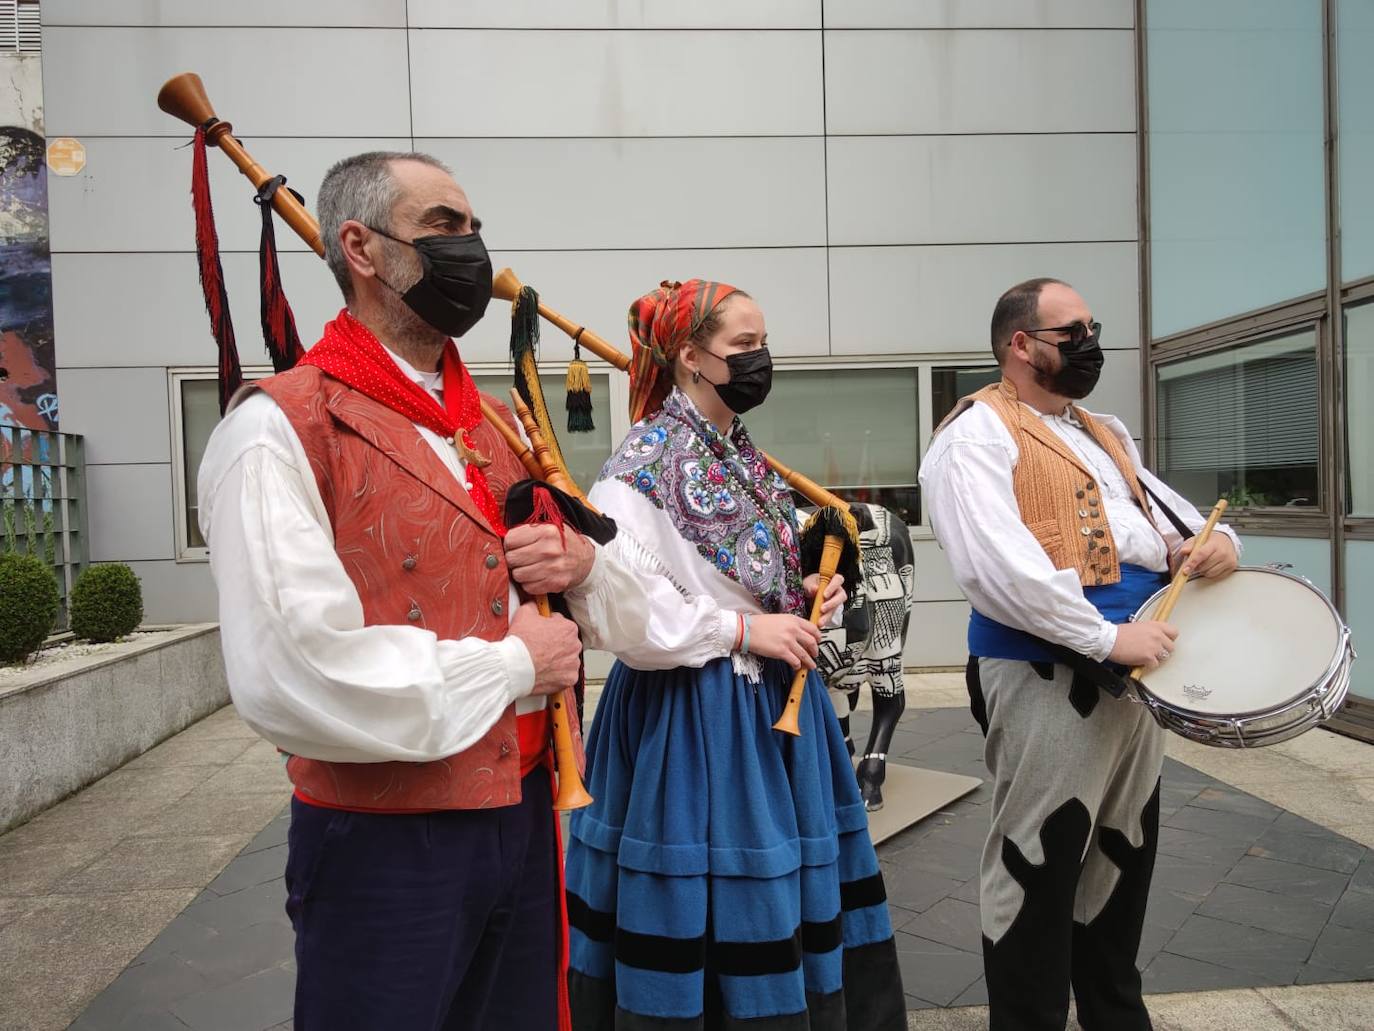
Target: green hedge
pixel 29 602
pixel 107 602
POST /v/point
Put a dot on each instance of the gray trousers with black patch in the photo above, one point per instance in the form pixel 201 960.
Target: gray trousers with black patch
pixel 1066 869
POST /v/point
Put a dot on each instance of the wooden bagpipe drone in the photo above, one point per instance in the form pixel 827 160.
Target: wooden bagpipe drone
pixel 830 540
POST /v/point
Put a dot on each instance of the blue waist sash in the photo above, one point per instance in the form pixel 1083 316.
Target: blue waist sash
pixel 989 639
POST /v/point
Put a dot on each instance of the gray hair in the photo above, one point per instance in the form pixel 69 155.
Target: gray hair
pixel 360 189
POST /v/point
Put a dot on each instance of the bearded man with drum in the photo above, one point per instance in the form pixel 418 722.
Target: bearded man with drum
pixel 1057 535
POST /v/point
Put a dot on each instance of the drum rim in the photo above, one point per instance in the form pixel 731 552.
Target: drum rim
pixel 1344 653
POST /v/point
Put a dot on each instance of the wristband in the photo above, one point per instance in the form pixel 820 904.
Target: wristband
pixel 739 631
pixel 744 648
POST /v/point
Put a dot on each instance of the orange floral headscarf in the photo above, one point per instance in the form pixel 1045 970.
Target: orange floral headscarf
pixel 660 323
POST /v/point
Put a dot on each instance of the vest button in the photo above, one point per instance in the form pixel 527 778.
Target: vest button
pixel 1104 549
pixel 413 614
pixel 1079 494
pixel 1085 531
pixel 492 561
pixel 498 607
pixel 1082 514
pixel 1099 533
pixel 1088 485
pixel 409 562
pixel 505 748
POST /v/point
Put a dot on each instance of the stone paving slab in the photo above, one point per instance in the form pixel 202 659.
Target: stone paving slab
pixel 1249 897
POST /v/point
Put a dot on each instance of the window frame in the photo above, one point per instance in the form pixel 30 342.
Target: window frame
pixel 185 552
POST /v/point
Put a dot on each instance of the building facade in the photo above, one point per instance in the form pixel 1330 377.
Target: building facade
pixel 875 172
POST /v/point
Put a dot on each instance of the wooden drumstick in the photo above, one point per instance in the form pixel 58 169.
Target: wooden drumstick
pixel 1170 599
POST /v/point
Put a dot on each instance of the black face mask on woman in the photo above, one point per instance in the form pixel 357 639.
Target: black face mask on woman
pixel 1081 360
pixel 751 377
pixel 455 281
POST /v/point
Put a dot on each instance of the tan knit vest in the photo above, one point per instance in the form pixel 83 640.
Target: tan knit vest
pixel 1058 496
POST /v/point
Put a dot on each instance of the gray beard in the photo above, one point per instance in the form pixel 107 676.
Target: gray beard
pixel 409 333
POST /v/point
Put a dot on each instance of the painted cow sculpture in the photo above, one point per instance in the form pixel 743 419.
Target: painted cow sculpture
pixel 867 647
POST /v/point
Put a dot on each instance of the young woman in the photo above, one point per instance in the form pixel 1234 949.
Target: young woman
pixel 725 872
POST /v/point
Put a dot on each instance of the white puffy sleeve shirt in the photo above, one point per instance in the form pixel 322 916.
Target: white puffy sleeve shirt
pixel 303 670
pixel 966 479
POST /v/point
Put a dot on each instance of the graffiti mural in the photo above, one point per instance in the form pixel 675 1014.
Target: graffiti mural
pixel 28 383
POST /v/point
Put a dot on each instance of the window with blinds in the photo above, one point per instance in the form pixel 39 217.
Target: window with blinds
pixel 1243 423
pixel 19 28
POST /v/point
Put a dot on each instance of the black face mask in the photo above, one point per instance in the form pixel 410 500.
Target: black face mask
pixel 1079 370
pixel 455 281
pixel 751 377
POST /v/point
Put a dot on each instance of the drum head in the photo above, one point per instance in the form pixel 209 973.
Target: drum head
pixel 1248 643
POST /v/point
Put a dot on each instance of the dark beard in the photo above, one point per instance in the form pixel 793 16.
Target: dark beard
pixel 1048 378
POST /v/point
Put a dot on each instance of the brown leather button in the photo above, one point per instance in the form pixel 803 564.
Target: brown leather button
pixel 1089 485
pixel 1104 549
pixel 1099 533
pixel 409 562
pixel 498 606
pixel 1079 494
pixel 413 614
pixel 493 561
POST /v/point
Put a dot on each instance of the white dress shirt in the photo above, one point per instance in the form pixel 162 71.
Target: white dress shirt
pixel 303 670
pixel 966 479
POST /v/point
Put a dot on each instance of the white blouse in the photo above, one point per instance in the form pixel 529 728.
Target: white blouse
pixel 966 478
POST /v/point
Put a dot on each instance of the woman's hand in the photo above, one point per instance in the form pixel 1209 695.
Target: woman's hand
pixel 785 637
pixel 835 595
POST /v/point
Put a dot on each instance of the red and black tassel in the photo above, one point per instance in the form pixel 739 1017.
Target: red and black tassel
pixel 279 334
pixel 212 274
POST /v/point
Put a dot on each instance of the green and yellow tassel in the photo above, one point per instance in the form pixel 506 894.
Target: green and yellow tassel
pixel 579 403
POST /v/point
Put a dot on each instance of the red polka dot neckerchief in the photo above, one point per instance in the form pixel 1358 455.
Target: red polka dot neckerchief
pixel 350 353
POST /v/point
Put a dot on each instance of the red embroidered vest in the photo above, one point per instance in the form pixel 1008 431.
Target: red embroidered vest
pixel 420 554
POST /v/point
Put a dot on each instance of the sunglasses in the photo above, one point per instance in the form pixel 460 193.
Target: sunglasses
pixel 1080 333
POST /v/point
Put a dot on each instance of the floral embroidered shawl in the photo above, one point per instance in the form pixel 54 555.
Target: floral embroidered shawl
pixel 720 495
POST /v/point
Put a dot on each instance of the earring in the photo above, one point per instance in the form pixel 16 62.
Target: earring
pixel 696 377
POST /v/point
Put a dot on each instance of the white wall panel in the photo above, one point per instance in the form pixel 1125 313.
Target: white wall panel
pixel 279 82
pixel 129 512
pixel 981 189
pixel 616 83
pixel 370 13
pixel 979 82
pixel 121 412
pixel 162 318
pixel 661 193
pixel 934 578
pixel 966 14
pixel 595 290
pixel 949 292
pixel 938 635
pixel 135 194
pixel 177 592
pixel 617 14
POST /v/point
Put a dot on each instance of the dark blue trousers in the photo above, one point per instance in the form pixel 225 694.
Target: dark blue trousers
pixel 428 922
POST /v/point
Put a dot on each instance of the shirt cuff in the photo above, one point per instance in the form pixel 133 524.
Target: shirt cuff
pixel 727 630
pixel 519 666
pixel 596 576
pixel 1106 642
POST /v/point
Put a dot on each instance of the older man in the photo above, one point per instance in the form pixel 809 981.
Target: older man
pixel 372 630
pixel 1057 535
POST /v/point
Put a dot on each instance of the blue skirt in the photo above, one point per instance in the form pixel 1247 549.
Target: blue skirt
pixel 725 871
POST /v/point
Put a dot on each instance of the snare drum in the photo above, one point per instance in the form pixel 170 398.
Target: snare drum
pixel 1261 656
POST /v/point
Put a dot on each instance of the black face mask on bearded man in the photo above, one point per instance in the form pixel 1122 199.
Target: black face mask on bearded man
pixel 455 281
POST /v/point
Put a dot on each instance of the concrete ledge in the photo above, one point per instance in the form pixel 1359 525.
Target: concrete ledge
pixel 68 723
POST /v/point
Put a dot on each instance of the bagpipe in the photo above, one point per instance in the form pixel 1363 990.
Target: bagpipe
pixel 829 542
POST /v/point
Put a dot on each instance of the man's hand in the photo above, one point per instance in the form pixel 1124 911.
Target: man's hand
pixel 553 645
pixel 835 595
pixel 541 564
pixel 1143 644
pixel 1213 560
